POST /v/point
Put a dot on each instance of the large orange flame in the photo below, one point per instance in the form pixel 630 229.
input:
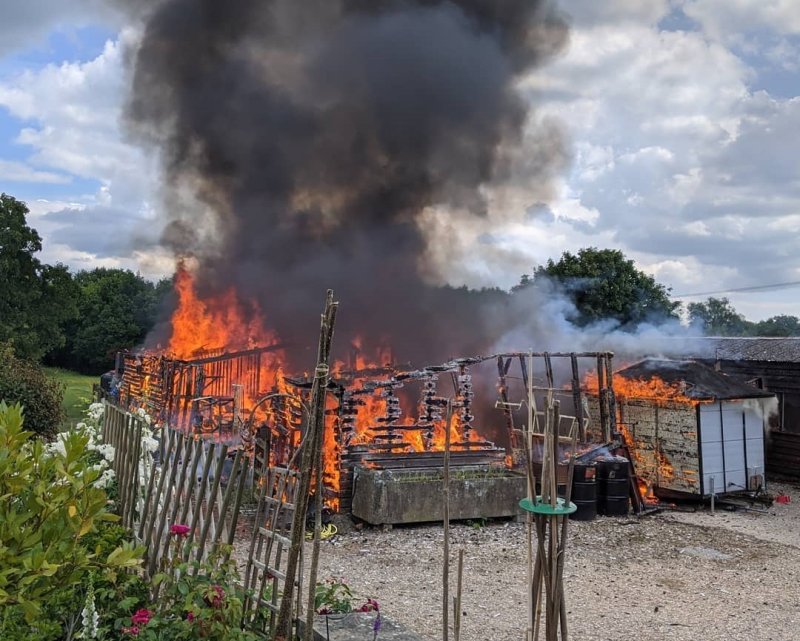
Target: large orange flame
pixel 659 392
pixel 216 323
pixel 653 389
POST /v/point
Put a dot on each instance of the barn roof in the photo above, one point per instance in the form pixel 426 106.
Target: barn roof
pixel 755 348
pixel 701 382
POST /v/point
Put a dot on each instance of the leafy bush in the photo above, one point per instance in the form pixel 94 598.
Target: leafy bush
pixel 26 383
pixel 333 596
pixel 191 600
pixel 51 506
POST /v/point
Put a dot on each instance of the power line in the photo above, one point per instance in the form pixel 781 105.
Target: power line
pixel 753 288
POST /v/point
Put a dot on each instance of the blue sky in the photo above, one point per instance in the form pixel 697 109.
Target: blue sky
pixel 682 116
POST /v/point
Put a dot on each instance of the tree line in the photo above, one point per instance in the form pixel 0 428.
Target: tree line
pixel 73 320
pixel 603 285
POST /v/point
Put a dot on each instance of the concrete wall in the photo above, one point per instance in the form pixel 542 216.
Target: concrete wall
pixel 408 496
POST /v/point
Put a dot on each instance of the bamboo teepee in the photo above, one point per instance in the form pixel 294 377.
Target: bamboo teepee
pixel 547 521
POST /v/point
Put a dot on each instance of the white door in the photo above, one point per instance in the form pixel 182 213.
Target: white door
pixel 711 449
pixel 733 427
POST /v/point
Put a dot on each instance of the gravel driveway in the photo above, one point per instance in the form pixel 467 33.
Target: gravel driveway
pixel 729 576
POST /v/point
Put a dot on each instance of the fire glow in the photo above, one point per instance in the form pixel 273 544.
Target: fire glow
pixel 203 326
pixel 654 389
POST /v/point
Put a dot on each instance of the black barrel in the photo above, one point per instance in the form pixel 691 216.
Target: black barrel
pixel 584 472
pixel 584 493
pixel 616 468
pixel 613 486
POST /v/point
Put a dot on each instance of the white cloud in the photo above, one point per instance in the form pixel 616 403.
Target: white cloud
pixel 21 172
pixel 728 19
pixel 685 168
pixel 592 12
pixel 25 23
pixel 73 116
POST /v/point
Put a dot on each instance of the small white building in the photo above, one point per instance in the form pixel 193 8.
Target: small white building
pixel 691 429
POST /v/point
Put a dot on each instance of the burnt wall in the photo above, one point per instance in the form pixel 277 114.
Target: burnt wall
pixel 666 437
pixel 662 441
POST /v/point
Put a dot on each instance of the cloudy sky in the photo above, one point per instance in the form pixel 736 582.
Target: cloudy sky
pixel 683 117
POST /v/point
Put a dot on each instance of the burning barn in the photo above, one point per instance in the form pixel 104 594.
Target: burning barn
pixel 690 429
pixel 386 424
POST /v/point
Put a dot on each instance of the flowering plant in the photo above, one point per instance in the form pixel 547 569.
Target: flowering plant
pixel 334 596
pixel 190 600
pixel 100 454
pixel 180 531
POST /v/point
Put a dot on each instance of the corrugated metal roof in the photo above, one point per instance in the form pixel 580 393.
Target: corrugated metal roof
pixel 741 349
pixel 700 381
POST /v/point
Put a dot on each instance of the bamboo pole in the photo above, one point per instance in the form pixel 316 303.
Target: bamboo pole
pixel 457 603
pixel 316 427
pixel 312 577
pixel 446 523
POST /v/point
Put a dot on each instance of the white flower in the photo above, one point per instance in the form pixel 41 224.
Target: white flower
pixel 91 619
pixel 56 448
pixel 149 444
pixel 104 479
pixel 106 451
pixel 96 411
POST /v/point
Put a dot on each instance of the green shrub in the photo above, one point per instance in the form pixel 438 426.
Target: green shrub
pixel 26 383
pixel 49 510
pixel 192 600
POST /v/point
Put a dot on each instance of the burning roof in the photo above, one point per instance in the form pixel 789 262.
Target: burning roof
pixel 696 381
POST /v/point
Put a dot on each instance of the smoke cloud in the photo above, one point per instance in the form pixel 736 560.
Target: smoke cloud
pixel 310 144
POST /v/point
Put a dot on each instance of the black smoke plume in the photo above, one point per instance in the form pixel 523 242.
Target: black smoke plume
pixel 312 136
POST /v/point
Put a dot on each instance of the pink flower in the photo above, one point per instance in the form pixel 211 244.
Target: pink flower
pixel 181 531
pixel 133 630
pixel 216 597
pixel 190 616
pixel 141 617
pixel 370 606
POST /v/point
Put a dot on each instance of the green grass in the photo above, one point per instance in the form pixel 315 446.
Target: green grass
pixel 77 393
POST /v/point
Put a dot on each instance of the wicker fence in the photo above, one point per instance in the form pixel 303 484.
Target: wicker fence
pixel 184 481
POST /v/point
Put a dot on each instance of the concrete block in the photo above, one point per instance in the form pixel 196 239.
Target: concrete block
pixel 358 626
pixel 415 496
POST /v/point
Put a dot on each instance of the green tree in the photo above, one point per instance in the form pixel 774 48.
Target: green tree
pixel 36 300
pixel 717 317
pixel 781 325
pixel 26 383
pixel 116 310
pixel 603 284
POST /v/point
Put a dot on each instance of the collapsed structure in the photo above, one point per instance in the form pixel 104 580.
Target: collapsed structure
pixel 379 417
pixel 689 430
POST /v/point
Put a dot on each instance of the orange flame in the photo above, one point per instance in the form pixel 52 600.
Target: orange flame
pixel 661 393
pixel 216 323
pixel 652 389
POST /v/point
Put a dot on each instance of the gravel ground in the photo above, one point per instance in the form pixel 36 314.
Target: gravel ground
pixel 694 576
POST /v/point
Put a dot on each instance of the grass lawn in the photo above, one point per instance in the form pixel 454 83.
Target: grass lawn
pixel 78 392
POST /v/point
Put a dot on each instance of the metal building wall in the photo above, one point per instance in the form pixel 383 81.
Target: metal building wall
pixel 732 445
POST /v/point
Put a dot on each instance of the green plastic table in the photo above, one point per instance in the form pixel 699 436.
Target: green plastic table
pixel 546 509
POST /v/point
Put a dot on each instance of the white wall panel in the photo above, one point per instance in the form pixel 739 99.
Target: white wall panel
pixel 710 426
